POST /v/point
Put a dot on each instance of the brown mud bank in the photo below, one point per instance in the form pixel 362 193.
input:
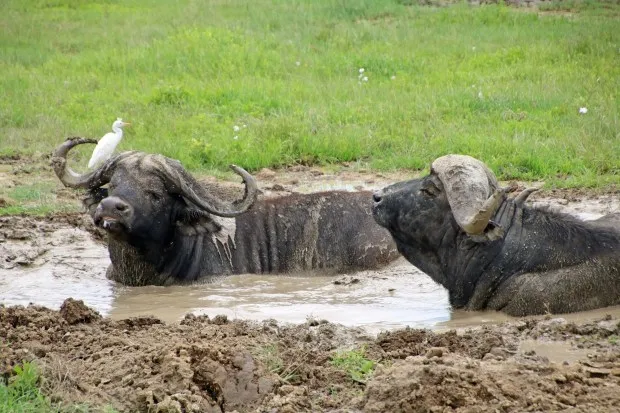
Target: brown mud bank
pixel 207 364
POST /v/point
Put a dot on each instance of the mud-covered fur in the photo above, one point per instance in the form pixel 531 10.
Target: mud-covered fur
pixel 159 237
pixel 544 261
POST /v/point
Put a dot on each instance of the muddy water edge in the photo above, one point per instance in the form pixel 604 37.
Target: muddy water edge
pixel 221 348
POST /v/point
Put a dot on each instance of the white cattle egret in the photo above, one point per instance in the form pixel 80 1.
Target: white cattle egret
pixel 107 144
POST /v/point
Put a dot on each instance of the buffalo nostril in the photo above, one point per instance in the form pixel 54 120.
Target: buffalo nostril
pixel 121 207
pixel 376 197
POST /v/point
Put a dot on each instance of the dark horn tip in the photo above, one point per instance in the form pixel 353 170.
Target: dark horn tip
pixel 79 139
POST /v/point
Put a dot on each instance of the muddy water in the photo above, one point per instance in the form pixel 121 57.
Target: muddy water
pixel 555 351
pixel 63 263
pixel 68 263
pixel 392 298
pixel 46 265
pixel 395 297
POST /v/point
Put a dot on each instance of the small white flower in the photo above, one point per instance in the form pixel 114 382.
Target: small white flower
pixel 583 110
pixel 361 70
pixel 365 79
pixel 235 137
pixel 245 126
pixel 393 77
pixel 236 128
pixel 480 94
pixel 297 63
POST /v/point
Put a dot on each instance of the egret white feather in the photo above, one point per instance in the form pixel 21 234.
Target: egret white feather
pixel 104 149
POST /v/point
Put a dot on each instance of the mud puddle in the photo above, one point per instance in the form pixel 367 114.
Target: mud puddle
pixel 393 298
pixel 63 262
pixel 46 260
pixel 554 351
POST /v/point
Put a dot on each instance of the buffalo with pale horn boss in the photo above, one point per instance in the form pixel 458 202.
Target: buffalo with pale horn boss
pixel 165 228
pixel 494 252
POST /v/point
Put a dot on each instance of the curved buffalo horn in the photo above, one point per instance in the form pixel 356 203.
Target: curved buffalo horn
pixel 68 176
pixel 186 186
pixel 472 191
pixel 89 180
pixel 522 197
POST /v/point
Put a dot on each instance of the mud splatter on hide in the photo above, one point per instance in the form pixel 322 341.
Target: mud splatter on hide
pixel 225 236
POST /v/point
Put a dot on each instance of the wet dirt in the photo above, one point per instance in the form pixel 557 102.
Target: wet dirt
pixel 213 364
pixel 265 343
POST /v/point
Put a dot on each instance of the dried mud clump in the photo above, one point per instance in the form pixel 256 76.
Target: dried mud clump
pixel 218 365
pixel 413 342
pixel 75 311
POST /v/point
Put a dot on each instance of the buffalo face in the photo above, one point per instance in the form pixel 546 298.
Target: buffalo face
pixel 460 191
pixel 137 206
pixel 415 212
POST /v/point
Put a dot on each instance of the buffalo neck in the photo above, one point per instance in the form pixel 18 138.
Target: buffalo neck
pixel 539 240
pixel 130 266
pixel 467 264
pixel 190 257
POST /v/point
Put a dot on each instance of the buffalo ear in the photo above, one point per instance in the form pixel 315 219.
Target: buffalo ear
pixel 93 197
pixel 191 221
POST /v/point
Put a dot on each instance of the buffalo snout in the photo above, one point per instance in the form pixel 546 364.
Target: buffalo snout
pixel 379 212
pixel 111 213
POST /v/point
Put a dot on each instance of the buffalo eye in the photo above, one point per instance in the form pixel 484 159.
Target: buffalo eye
pixel 430 189
pixel 154 195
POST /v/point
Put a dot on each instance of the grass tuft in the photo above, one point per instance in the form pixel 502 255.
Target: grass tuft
pixel 355 364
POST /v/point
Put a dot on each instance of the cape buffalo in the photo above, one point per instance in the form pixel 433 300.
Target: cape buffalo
pixel 493 252
pixel 166 228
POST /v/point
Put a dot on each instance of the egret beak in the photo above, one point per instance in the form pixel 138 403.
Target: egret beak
pixel 126 124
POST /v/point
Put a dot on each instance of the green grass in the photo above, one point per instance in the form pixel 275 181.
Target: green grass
pixel 355 364
pixel 498 83
pixel 22 394
pixel 37 210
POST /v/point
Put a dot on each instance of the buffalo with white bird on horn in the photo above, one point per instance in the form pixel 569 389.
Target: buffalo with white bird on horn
pixel 165 227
